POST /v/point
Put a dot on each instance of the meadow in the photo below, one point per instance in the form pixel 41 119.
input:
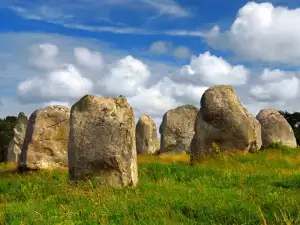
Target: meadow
pixel 260 188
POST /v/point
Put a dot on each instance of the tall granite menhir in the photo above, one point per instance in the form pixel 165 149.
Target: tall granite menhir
pixel 102 141
pixel 224 121
pixel 46 140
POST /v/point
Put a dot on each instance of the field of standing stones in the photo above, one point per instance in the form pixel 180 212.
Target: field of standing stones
pixel 98 138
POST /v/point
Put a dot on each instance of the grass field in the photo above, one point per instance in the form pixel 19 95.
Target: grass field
pixel 262 188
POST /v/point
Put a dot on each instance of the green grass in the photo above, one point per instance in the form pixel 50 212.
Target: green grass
pixel 263 188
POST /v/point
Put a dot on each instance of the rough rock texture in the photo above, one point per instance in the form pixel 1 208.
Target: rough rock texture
pixel 177 129
pixel 157 147
pixel 275 128
pixel 15 145
pixel 46 140
pixel 102 141
pixel 146 135
pixel 224 121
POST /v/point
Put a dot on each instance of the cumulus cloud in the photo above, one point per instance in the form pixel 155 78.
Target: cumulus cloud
pixel 262 32
pixel 85 57
pixel 165 95
pixel 150 86
pixel 167 48
pixel 271 75
pixel 281 88
pixel 182 52
pixel 159 47
pixel 213 70
pixel 43 56
pixel 188 94
pixel 60 85
pixel 151 101
pixel 126 77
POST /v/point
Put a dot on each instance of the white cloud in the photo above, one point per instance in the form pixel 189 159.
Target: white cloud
pixel 60 85
pixel 15 67
pixel 79 15
pixel 262 32
pixel 69 22
pixel 150 86
pixel 43 56
pixel 271 75
pixel 276 87
pixel 189 94
pixel 78 10
pixel 168 7
pixel 16 51
pixel 167 48
pixel 133 30
pixel 192 33
pixel 159 47
pixel 126 77
pixel 110 29
pixel 41 12
pixel 212 70
pixel 182 52
pixel 151 101
pixel 85 57
pixel 279 90
pixel 165 95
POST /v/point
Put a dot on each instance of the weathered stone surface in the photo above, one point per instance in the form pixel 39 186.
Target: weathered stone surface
pixel 177 129
pixel 15 145
pixel 146 135
pixel 102 141
pixel 275 128
pixel 46 140
pixel 224 121
pixel 157 147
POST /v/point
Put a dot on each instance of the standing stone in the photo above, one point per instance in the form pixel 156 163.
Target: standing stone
pixel 146 135
pixel 102 141
pixel 15 145
pixel 46 140
pixel 275 128
pixel 177 129
pixel 223 120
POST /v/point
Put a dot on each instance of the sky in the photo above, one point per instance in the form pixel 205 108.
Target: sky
pixel 160 54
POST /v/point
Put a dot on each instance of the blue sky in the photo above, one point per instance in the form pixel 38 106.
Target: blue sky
pixel 190 16
pixel 165 51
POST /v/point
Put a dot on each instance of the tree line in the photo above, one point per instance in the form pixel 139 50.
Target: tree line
pixel 6 134
pixel 294 121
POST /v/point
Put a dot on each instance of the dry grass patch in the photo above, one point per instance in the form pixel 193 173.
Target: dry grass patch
pixel 164 159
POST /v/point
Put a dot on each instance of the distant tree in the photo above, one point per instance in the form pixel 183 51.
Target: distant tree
pixel 6 134
pixel 294 120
